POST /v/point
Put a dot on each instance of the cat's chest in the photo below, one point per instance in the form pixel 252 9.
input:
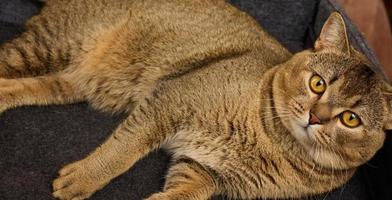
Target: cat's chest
pixel 217 117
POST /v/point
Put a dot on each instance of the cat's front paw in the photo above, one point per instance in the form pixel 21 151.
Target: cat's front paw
pixel 76 182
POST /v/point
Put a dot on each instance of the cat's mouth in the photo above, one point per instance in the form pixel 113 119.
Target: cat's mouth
pixel 306 136
pixel 310 131
pixel 304 131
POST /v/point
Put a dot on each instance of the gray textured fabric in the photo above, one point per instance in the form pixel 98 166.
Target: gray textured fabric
pixel 287 20
pixel 36 141
pixel 13 13
pixel 17 11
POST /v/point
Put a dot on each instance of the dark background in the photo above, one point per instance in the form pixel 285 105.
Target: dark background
pixel 35 142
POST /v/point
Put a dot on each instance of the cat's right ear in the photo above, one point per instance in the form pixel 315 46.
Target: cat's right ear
pixel 333 35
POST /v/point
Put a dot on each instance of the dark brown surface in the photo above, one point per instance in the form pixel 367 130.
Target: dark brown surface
pixel 371 18
pixel 388 6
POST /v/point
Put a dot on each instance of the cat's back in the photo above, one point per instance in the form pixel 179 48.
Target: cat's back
pixel 200 33
pixel 146 41
pixel 169 28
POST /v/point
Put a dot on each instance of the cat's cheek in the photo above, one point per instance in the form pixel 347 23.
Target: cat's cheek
pixel 343 135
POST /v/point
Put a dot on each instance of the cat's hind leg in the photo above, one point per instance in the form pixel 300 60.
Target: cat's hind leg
pixel 23 57
pixel 37 51
pixel 45 46
pixel 44 90
pixel 187 179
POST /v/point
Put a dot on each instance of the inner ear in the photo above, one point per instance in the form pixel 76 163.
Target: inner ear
pixel 333 35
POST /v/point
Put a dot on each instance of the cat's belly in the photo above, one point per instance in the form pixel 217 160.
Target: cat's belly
pixel 245 172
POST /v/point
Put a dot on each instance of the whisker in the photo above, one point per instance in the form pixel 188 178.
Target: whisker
pixel 326 195
pixel 332 166
pixel 274 117
pixel 285 92
pixel 315 147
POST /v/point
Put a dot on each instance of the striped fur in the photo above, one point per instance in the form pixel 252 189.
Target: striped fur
pixel 203 81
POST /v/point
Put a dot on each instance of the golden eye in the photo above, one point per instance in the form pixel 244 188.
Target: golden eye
pixel 317 84
pixel 350 119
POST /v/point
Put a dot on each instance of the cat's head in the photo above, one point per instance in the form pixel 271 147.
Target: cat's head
pixel 332 102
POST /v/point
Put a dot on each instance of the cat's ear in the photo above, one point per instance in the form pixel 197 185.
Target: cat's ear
pixel 333 34
pixel 388 124
pixel 387 90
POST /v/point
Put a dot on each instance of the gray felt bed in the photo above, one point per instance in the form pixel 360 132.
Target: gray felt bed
pixel 36 141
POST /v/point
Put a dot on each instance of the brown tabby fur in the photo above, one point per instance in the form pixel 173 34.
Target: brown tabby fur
pixel 204 81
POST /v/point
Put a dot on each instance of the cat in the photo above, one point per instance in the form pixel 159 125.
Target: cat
pixel 240 114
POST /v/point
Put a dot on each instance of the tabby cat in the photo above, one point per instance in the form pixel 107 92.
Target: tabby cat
pixel 241 116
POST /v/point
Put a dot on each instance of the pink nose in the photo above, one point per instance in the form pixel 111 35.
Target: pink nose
pixel 313 119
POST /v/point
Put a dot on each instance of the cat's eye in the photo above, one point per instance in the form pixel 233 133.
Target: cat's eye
pixel 317 84
pixel 350 119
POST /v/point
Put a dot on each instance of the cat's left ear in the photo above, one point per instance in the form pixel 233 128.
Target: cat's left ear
pixel 333 35
pixel 388 123
pixel 387 90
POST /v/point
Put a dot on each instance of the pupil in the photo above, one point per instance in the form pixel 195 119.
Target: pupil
pixel 352 117
pixel 319 83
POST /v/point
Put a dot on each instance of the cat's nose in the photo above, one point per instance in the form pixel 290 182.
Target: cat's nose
pixel 313 119
pixel 320 113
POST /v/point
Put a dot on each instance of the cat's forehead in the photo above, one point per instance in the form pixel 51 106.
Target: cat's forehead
pixel 359 80
pixel 353 72
pixel 331 65
pixel 352 77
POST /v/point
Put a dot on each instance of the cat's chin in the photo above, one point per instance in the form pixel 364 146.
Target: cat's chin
pixel 320 155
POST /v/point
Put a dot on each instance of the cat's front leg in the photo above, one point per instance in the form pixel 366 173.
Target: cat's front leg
pixel 80 180
pixel 134 138
pixel 187 179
